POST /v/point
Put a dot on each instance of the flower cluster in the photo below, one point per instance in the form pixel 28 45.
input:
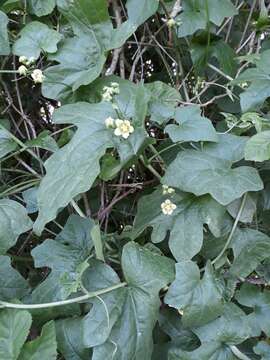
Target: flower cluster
pixel 168 207
pixel 121 127
pixel 36 74
pixel 110 91
pixel 25 61
pixel 167 190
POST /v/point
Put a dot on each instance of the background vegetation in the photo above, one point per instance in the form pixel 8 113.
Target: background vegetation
pixel 134 186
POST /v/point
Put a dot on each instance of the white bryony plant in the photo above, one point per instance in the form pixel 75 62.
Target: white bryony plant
pixel 37 76
pixel 168 207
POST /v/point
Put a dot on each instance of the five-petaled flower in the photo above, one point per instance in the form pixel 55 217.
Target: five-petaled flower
pixel 123 128
pixel 37 76
pixel 167 190
pixel 168 207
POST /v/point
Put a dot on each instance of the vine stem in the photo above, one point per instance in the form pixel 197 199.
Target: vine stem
pixel 89 295
pixel 9 71
pixel 77 209
pixel 150 168
pixel 233 229
pixel 238 353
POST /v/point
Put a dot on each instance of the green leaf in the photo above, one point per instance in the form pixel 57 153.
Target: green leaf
pixel 44 347
pixel 194 16
pixel 136 16
pixel 211 175
pixel 67 257
pixel 81 60
pixel 250 247
pixel 229 147
pixel 219 50
pixel 217 336
pixel 171 323
pixel 127 315
pixel 208 351
pixel 185 224
pixel 248 211
pixel 12 284
pixel 69 334
pixel 43 141
pixel 199 299
pixel 255 95
pixel 258 147
pixel 14 329
pixel 252 297
pixel 263 349
pixel 7 145
pixel 4 41
pixel 13 222
pixel 81 57
pixel 99 322
pixel 34 38
pixel 163 102
pixel 192 126
pixel 30 199
pixel 93 11
pixel 41 7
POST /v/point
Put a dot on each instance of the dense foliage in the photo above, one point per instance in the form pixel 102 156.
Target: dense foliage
pixel 134 180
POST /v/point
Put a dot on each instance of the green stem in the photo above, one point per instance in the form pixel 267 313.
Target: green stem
pixel 150 168
pixel 9 71
pixel 220 72
pixel 232 231
pixel 154 151
pixel 163 150
pixel 96 237
pixel 18 188
pixel 238 353
pixel 21 144
pixel 21 258
pixel 77 209
pixel 78 299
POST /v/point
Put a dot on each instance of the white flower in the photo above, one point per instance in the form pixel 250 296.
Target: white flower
pixel 23 59
pixel 37 76
pixel 168 207
pixel 22 70
pixel 109 122
pixel 167 190
pixel 123 128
